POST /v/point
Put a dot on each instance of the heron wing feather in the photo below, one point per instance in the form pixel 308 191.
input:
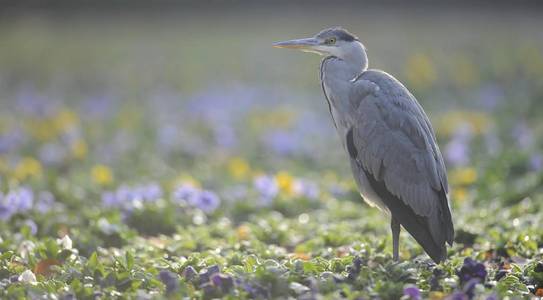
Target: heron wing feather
pixel 395 143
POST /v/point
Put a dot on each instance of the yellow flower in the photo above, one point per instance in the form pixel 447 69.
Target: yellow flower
pixel 184 179
pixel 459 194
pixel 243 232
pixel 420 71
pixel 79 149
pixel 463 176
pixel 41 129
pixel 27 167
pixel 280 118
pixel 447 124
pixel 436 295
pixel 238 168
pixel 285 182
pixel 330 176
pixel 301 256
pixel 45 129
pixel 102 175
pixel 65 119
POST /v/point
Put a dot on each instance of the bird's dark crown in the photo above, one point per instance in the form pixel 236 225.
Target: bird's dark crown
pixel 339 33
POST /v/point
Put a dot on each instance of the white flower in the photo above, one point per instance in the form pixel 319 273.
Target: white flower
pixel 65 242
pixel 26 248
pixel 28 277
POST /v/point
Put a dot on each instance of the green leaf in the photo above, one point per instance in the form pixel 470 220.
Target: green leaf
pixel 64 254
pixel 6 255
pixel 52 248
pixel 93 262
pixel 129 260
pixel 251 262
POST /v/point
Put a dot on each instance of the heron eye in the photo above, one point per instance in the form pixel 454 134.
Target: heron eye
pixel 330 41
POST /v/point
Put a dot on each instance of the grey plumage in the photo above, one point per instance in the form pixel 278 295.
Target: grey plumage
pixel 396 149
pixel 391 145
pixel 339 33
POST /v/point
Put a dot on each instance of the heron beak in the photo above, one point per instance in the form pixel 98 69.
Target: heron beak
pixel 301 44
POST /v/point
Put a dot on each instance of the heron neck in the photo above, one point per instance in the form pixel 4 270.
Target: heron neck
pixel 336 77
pixel 349 66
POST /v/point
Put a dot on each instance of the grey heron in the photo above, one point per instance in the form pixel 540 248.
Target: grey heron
pixel 391 144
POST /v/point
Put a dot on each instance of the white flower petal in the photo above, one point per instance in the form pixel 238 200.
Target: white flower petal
pixel 65 242
pixel 28 277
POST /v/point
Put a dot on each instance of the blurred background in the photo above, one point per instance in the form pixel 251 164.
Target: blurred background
pixel 174 131
pixel 154 92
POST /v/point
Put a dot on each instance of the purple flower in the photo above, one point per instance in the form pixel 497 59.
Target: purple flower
pixel 209 291
pixel 471 269
pixel 457 151
pixel 127 198
pixel 45 202
pixel 170 280
pixel 189 273
pixel 307 189
pixel 235 192
pixel 536 162
pixel 12 140
pixel 225 136
pixel 32 226
pixel 469 287
pixel 523 135
pixel 207 201
pixel 282 142
pixel 32 103
pixel 222 281
pixel 51 154
pixel 434 280
pixel 19 200
pixel 109 199
pixel 213 269
pixel 123 194
pixel 6 210
pixel 267 187
pixel 354 269
pixel 254 289
pixel 205 274
pixel 412 292
pixel 492 142
pixel 338 191
pixel 98 106
pixel 490 96
pixel 185 194
pixel 25 199
pixel 151 192
pixel 492 297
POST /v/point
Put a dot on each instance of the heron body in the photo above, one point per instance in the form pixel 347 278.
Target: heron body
pixel 392 148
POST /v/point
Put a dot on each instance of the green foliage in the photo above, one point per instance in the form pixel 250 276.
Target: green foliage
pixel 118 208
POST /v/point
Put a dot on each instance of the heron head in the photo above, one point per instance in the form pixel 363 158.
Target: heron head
pixel 334 41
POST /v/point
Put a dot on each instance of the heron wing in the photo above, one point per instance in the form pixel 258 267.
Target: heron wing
pixel 393 142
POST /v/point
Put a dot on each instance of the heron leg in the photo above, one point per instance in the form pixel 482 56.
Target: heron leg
pixel 395 227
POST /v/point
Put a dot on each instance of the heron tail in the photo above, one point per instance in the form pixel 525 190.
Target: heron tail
pixel 418 226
